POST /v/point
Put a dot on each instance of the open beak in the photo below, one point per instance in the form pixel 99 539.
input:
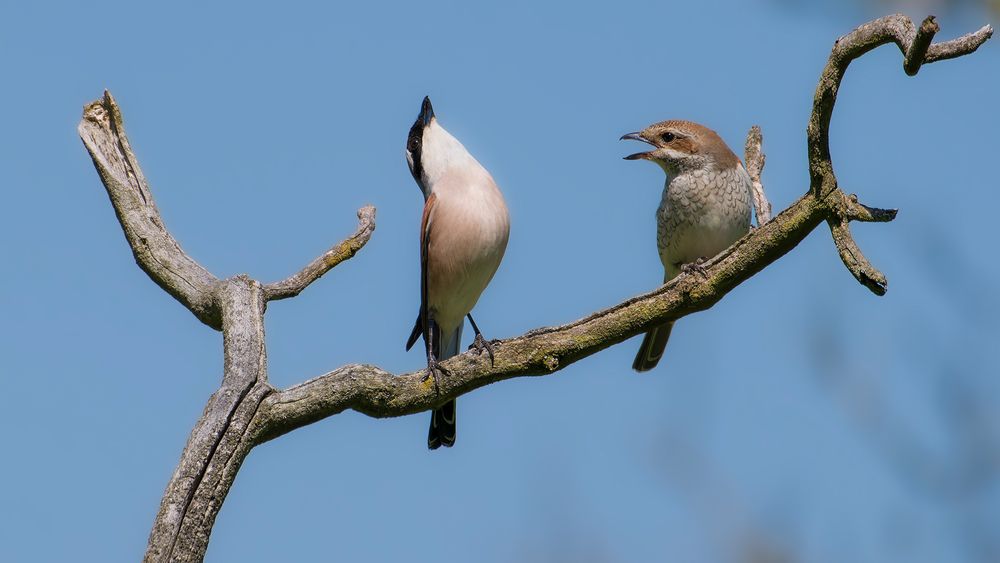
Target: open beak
pixel 636 137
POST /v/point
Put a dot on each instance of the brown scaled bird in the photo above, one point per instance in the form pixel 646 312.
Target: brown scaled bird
pixel 463 235
pixel 705 206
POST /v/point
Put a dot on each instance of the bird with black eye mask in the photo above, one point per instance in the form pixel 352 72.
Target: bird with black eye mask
pixel 463 236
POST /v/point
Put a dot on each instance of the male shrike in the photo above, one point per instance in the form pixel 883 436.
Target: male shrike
pixel 463 235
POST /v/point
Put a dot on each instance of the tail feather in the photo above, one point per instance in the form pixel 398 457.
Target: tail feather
pixel 442 429
pixel 417 332
pixel 653 345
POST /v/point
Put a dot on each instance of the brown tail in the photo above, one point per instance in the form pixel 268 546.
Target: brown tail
pixel 653 345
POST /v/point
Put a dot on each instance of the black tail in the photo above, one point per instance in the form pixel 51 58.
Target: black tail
pixel 442 431
pixel 653 345
pixel 417 332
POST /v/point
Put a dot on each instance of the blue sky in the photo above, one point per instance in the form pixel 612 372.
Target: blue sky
pixel 800 415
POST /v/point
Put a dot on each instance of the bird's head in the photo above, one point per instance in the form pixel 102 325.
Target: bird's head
pixel 431 150
pixel 681 146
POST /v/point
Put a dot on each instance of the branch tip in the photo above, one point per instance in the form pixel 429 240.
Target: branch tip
pixel 854 259
pixel 963 45
pixel 155 250
pixel 344 250
pixel 914 43
pixel 917 52
pixel 856 211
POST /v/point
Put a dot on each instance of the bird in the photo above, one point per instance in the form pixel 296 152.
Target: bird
pixel 704 209
pixel 463 237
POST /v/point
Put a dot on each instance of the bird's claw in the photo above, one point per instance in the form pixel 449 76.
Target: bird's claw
pixel 480 344
pixel 434 370
pixel 696 267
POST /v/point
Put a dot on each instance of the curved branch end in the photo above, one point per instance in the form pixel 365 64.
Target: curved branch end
pixel 855 261
pixel 344 250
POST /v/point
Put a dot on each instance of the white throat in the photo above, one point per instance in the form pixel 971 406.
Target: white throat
pixel 443 154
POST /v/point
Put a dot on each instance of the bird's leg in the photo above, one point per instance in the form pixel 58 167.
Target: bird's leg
pixel 433 367
pixel 480 343
pixel 696 267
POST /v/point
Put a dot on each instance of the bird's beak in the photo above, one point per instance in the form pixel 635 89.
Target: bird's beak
pixel 426 111
pixel 636 137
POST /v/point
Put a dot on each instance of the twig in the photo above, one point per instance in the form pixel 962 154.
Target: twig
pixel 755 165
pixel 344 250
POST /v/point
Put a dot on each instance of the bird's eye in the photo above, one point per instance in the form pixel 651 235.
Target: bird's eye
pixel 667 137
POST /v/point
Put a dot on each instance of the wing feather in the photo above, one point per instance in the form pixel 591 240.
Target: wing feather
pixel 425 231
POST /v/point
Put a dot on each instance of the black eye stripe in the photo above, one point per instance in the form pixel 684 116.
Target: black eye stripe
pixel 414 144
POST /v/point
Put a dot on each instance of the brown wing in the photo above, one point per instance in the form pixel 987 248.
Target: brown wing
pixel 425 227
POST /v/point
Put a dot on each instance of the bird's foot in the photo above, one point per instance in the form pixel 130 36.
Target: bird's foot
pixel 434 370
pixel 696 267
pixel 480 344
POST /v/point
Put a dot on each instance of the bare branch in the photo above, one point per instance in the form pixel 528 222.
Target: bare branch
pixel 914 56
pixel 755 158
pixel 854 259
pixel 958 47
pixel 856 211
pixel 890 29
pixel 155 250
pixel 915 44
pixel 345 250
pixel 216 447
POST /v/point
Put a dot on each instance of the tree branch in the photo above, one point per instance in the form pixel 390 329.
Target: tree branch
pixel 917 51
pixel 755 158
pixel 155 250
pixel 896 29
pixel 915 44
pixel 958 47
pixel 216 447
pixel 851 255
pixel 345 250
pixel 856 211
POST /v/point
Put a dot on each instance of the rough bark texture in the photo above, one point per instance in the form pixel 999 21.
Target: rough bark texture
pixel 754 156
pixel 246 410
pixel 156 252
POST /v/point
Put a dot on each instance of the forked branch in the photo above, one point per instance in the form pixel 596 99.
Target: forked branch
pixel 915 44
pixel 155 250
